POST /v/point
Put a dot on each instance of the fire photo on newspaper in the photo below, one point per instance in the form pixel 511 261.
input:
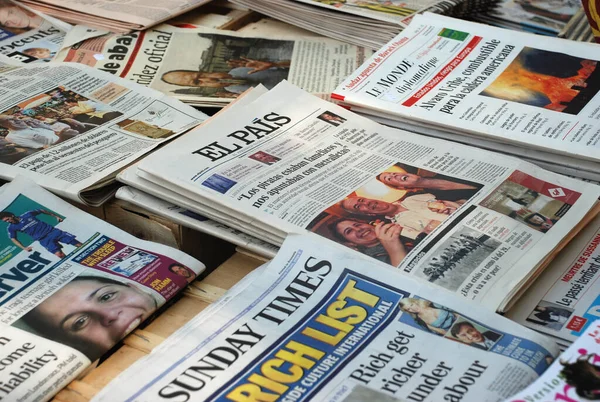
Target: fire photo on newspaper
pixel 550 80
pixel 391 214
pixel 225 66
pixel 46 120
pixel 536 203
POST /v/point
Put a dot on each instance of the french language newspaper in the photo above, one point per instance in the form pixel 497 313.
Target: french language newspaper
pixel 318 322
pixel 71 128
pixel 28 36
pixel 222 65
pixel 538 93
pixel 566 298
pixel 71 287
pixel 476 223
pixel 573 377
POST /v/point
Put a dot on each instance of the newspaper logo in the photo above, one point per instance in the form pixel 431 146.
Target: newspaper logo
pixel 576 324
pixel 556 192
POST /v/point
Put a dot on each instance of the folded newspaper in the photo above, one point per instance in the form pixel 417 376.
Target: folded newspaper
pixel 477 223
pixel 29 36
pixel 222 65
pixel 114 15
pixel 573 377
pixel 71 287
pixel 71 128
pixel 318 322
pixel 530 96
pixel 566 298
pixel 368 23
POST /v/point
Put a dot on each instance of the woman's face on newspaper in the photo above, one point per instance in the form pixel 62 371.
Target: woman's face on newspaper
pixel 12 16
pixel 400 180
pixel 359 233
pixel 100 314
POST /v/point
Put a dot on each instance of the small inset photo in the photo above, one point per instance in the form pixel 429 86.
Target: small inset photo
pixel 331 118
pixel 550 315
pixel 219 183
pixel 473 334
pixel 264 157
pixel 183 271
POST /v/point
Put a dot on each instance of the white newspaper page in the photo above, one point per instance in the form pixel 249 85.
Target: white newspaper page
pixel 28 36
pixel 393 11
pixel 573 377
pixel 471 221
pixel 317 322
pixel 511 86
pixel 74 279
pixel 223 64
pixel 198 222
pixel 566 298
pixel 72 128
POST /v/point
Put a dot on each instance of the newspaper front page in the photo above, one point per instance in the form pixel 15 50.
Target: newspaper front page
pixel 566 298
pixel 28 36
pixel 72 128
pixel 573 377
pixel 221 65
pixel 71 287
pixel 471 221
pixel 317 322
pixel 498 84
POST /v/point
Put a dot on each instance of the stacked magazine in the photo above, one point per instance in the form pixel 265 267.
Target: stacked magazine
pixel 115 16
pixel 473 222
pixel 521 94
pixel 72 128
pixel 368 23
pixel 71 287
pixel 318 324
pixel 222 65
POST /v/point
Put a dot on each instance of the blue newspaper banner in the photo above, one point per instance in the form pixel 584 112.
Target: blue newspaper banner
pixel 311 353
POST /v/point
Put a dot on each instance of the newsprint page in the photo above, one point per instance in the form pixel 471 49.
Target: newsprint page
pixel 71 287
pixel 318 322
pixel 72 128
pixel 471 221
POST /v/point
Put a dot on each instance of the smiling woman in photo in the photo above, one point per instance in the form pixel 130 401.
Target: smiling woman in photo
pixel 17 20
pixel 91 314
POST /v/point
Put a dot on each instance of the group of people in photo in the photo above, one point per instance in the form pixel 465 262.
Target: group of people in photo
pixel 388 230
pixel 452 255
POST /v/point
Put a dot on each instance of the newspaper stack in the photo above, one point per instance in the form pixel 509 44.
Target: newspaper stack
pixel 566 299
pixel 368 23
pixel 526 95
pixel 72 128
pixel 479 224
pixel 318 324
pixel 222 65
pixel 579 28
pixel 71 287
pixel 546 17
pixel 115 16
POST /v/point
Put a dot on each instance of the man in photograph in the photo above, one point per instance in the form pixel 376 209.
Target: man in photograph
pixel 550 317
pixel 47 235
pixel 332 118
pixel 468 334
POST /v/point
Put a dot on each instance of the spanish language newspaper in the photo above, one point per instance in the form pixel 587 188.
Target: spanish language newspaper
pixel 573 376
pixel 222 65
pixel 72 128
pixel 28 36
pixel 479 224
pixel 318 322
pixel 466 81
pixel 566 298
pixel 71 287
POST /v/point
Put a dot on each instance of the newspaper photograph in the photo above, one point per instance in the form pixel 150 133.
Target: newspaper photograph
pixel 70 278
pixel 485 82
pixel 28 36
pixel 317 323
pixel 223 64
pixel 572 377
pixel 565 300
pixel 434 209
pixel 71 128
